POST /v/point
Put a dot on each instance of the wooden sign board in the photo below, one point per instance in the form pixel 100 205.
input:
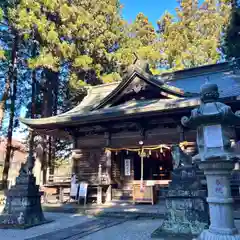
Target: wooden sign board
pixel 146 194
pixel 83 192
pixel 83 189
pixel 127 167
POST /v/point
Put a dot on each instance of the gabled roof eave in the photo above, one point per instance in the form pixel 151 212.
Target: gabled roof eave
pixel 136 71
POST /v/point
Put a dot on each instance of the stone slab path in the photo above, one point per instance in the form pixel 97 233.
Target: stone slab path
pixel 75 227
pixel 117 209
pixel 80 230
pixel 60 221
pixel 131 230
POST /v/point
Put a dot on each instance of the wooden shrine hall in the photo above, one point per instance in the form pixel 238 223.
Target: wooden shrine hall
pixel 123 131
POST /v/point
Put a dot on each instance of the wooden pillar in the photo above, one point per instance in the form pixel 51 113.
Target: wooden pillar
pixel 99 188
pixel 181 133
pixel 76 155
pixel 109 175
pixel 38 164
pixel 108 167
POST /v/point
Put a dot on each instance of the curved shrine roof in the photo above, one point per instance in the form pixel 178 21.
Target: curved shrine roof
pixel 177 90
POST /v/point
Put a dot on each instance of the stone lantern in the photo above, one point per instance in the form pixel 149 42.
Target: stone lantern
pixel 215 123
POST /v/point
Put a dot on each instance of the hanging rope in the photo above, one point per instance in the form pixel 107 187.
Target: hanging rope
pixel 149 148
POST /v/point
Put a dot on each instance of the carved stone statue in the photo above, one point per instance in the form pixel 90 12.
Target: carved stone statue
pixel 27 167
pixel 180 158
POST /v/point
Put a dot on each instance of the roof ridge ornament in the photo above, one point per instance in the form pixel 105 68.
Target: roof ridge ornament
pixel 141 63
pixel 136 58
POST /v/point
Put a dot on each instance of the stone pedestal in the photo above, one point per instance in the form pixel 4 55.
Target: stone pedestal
pixel 222 227
pixel 23 203
pixel 187 211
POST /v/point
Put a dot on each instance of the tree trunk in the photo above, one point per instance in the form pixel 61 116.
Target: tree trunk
pixel 13 79
pixel 4 98
pixel 52 140
pixel 48 102
pixel 33 99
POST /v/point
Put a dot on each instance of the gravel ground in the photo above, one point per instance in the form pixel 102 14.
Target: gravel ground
pixel 139 229
pixel 61 220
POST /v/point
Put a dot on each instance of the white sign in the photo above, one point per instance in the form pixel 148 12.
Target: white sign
pixel 83 189
pixel 74 187
pixel 213 136
pixel 127 167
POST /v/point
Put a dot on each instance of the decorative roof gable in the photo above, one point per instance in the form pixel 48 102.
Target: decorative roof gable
pixel 138 83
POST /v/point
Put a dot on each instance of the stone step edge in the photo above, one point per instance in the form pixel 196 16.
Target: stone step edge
pixel 120 214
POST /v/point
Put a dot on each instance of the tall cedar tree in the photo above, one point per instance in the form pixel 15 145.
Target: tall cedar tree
pixel 13 94
pixel 11 80
pixel 81 35
pixel 141 39
pixel 193 38
pixel 5 27
pixel 231 43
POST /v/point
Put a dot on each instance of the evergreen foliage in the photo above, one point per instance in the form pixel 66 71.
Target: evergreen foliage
pixel 231 42
pixel 193 38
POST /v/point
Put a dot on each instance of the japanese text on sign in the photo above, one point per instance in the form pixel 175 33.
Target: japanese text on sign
pixel 127 165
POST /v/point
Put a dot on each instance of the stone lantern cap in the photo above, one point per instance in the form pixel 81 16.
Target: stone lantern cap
pixel 210 110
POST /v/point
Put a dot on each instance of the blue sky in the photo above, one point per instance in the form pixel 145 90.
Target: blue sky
pixel 153 9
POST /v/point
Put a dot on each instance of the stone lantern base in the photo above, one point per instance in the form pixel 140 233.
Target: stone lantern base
pixel 23 203
pixel 187 211
pixel 218 173
pixel 207 235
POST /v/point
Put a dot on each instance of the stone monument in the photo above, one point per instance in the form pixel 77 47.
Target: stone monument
pixel 215 124
pixel 187 211
pixel 23 201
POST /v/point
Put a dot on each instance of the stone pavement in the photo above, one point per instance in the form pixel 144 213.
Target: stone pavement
pixel 131 230
pixel 126 223
pixel 111 209
pixel 60 221
pixel 117 209
pixel 80 230
pixel 76 227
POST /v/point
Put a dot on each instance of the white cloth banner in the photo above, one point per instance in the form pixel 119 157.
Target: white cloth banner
pixel 74 187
